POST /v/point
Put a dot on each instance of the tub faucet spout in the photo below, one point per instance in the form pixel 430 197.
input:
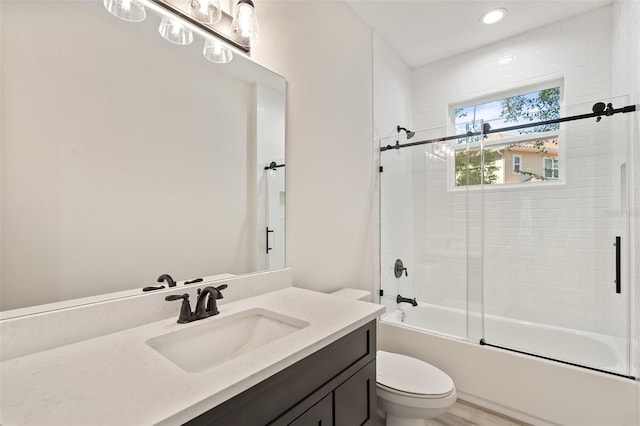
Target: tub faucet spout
pixel 401 299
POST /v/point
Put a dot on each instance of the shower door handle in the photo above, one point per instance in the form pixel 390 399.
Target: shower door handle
pixel 268 248
pixel 618 246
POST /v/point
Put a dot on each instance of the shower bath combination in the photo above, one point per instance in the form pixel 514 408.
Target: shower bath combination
pixel 534 255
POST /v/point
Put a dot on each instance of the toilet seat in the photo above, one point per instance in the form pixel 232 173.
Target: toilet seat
pixel 410 377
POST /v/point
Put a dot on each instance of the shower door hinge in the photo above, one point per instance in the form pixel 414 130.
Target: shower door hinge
pixel 381 169
pixel 381 292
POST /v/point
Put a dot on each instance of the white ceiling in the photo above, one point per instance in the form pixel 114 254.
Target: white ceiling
pixel 425 31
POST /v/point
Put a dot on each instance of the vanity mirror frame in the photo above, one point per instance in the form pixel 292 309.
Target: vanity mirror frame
pixel 246 72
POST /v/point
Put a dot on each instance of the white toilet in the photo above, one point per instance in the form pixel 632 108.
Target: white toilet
pixel 409 390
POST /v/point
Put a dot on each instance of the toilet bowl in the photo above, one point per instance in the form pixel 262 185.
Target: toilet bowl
pixel 409 390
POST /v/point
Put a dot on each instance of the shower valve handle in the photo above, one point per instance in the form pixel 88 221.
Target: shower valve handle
pixel 399 268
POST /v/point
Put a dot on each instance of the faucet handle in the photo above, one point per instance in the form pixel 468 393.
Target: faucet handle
pixel 185 309
pixel 219 292
pixel 216 290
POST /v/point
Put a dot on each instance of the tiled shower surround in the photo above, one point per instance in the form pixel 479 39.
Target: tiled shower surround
pixel 540 253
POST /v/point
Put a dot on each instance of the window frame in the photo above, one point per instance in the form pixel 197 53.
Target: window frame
pixel 515 157
pixel 554 162
pixel 455 147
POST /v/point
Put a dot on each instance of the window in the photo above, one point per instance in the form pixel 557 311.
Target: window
pixel 533 151
pixel 517 160
pixel 550 166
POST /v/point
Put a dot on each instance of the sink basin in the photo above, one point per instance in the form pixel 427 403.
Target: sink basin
pixel 213 341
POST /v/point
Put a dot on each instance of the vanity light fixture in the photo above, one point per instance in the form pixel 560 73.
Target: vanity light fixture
pixel 173 30
pixel 245 23
pixel 221 32
pixel 205 11
pixel 191 14
pixel 215 51
pixel 128 10
pixel 493 16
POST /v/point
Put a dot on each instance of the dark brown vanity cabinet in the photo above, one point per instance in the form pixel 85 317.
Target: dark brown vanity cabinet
pixel 335 386
pixel 320 414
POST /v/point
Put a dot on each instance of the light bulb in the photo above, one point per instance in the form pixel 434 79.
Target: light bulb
pixel 493 16
pixel 128 10
pixel 173 30
pixel 205 11
pixel 216 51
pixel 245 23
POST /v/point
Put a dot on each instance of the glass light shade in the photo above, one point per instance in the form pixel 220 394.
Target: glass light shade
pixel 205 11
pixel 216 51
pixel 174 31
pixel 128 10
pixel 245 23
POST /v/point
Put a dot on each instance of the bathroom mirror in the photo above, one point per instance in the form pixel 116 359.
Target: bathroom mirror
pixel 125 156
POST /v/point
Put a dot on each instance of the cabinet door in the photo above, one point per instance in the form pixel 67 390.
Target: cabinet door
pixel 320 414
pixel 355 400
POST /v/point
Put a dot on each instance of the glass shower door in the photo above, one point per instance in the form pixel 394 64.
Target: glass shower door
pixel 556 250
pixel 424 223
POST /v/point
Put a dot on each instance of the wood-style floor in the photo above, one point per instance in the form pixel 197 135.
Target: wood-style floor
pixel 466 414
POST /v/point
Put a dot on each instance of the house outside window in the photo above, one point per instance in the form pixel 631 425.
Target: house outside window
pixel 534 152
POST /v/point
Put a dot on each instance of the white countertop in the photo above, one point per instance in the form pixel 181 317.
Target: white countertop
pixel 117 379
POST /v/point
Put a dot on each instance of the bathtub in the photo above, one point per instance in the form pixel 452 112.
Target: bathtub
pixel 534 390
pixel 593 350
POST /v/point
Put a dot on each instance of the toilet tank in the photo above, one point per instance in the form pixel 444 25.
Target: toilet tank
pixel 353 293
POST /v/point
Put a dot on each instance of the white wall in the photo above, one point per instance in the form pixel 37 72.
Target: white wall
pixel 102 191
pixel 542 247
pixel 324 50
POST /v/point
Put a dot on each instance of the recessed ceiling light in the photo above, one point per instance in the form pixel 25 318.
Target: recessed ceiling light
pixel 493 16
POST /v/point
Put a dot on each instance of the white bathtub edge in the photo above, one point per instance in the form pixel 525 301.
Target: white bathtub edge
pixel 526 388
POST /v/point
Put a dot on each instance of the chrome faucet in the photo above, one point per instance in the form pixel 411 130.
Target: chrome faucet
pixel 206 306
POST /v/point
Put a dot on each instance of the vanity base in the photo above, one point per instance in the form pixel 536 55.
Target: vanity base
pixel 336 385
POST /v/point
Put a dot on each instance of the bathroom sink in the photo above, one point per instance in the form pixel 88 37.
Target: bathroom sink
pixel 210 342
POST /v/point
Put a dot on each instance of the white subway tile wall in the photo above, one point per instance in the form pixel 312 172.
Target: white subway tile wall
pixel 548 254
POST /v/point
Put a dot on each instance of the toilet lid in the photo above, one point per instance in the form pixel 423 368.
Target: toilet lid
pixel 411 375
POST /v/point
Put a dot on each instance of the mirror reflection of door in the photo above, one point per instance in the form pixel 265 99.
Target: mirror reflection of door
pixel 275 202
